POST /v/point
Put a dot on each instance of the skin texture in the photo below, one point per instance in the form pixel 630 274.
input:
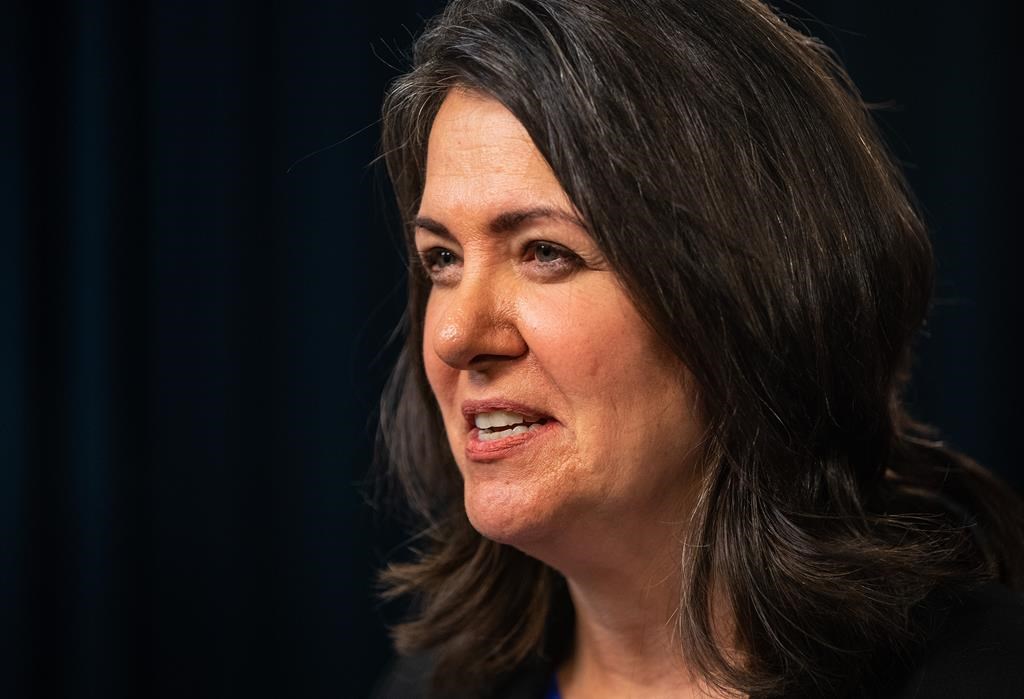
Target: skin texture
pixel 532 314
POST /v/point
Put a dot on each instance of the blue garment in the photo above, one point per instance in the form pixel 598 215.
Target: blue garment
pixel 552 691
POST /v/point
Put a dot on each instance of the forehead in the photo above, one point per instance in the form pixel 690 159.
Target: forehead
pixel 480 156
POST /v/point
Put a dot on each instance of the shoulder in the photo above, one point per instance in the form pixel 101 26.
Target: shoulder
pixel 411 677
pixel 976 650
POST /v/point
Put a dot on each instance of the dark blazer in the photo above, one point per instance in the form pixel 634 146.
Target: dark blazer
pixel 975 652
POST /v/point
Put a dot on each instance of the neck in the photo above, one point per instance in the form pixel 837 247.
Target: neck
pixel 624 636
pixel 626 597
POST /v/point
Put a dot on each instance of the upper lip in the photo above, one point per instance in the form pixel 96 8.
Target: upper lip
pixel 472 408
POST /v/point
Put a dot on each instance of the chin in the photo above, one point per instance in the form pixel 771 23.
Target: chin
pixel 509 514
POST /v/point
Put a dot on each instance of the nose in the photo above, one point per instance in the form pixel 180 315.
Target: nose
pixel 476 326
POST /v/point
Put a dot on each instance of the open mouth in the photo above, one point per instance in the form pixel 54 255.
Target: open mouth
pixel 499 424
pixel 499 428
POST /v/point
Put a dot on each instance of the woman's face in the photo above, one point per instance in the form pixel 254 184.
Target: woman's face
pixel 564 412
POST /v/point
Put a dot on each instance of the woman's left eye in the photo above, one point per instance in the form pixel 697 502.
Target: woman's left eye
pixel 544 252
pixel 549 254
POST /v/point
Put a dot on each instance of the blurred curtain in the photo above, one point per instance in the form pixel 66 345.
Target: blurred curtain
pixel 194 319
pixel 190 329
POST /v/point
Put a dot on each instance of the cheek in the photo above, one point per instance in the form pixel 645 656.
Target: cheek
pixel 584 339
pixel 624 391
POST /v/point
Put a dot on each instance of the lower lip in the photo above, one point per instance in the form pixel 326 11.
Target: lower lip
pixel 478 450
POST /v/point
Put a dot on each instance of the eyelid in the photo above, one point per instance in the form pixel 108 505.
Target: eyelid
pixel 541 241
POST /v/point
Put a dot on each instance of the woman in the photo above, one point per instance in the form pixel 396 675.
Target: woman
pixel 665 280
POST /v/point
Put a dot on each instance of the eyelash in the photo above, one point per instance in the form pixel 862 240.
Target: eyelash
pixel 566 263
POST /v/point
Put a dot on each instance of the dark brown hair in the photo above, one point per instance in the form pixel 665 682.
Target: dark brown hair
pixel 735 181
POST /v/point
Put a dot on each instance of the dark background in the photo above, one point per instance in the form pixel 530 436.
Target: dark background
pixel 193 336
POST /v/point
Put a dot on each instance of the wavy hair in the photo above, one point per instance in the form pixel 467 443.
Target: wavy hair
pixel 734 179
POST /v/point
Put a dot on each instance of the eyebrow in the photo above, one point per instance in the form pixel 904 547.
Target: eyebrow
pixel 505 222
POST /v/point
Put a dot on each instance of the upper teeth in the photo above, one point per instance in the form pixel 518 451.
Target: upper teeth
pixel 498 418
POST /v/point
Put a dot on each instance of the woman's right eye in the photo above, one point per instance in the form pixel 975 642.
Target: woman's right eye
pixel 438 262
